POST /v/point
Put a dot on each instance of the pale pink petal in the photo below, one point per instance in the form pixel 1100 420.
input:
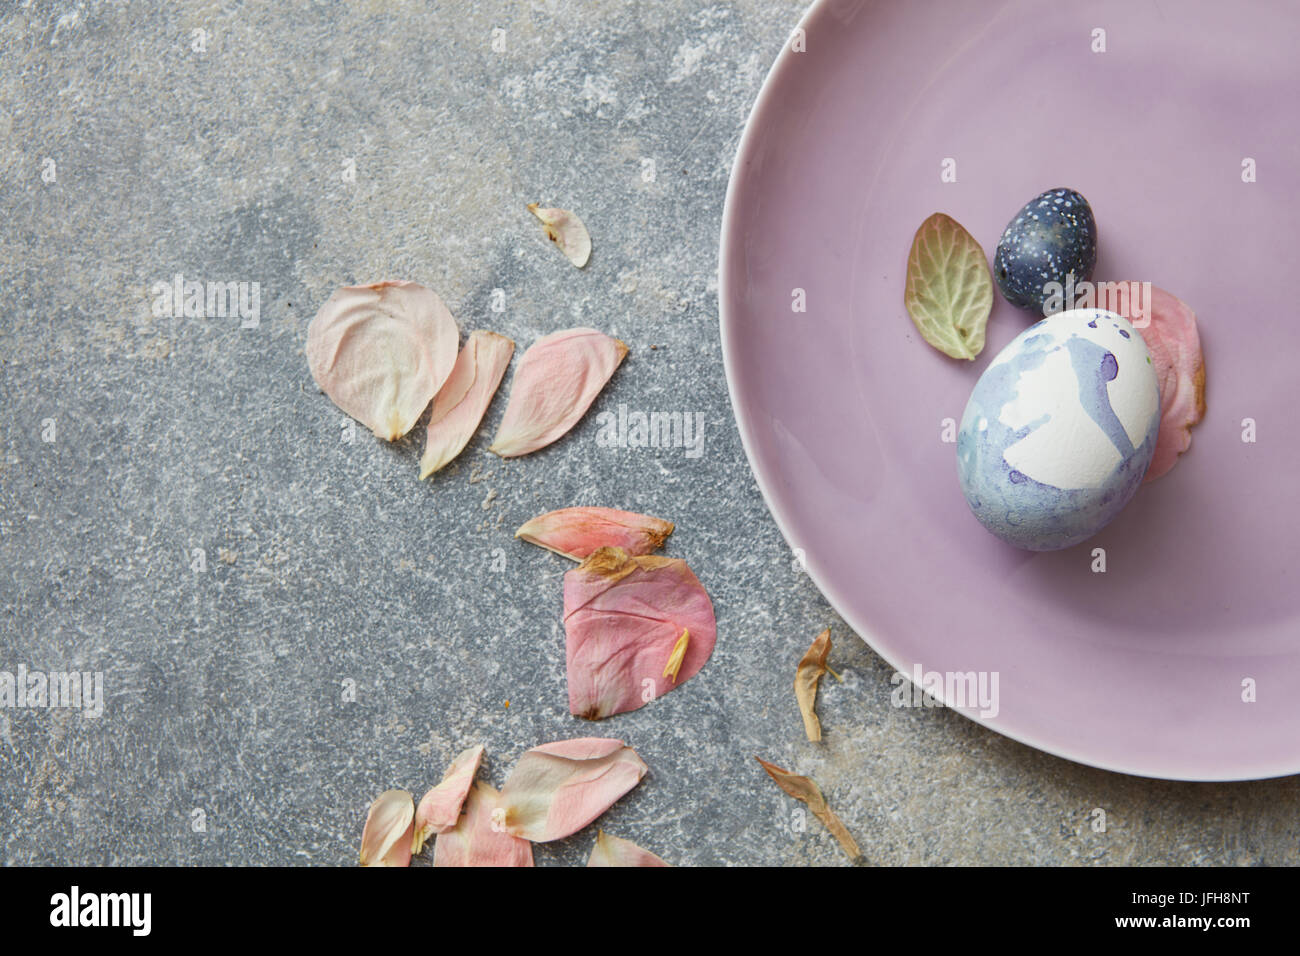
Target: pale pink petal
pixel 614 851
pixel 462 401
pixel 439 810
pixel 381 352
pixel 577 532
pixel 386 838
pixel 1175 346
pixel 557 380
pixel 557 789
pixel 480 837
pixel 567 231
pixel 623 617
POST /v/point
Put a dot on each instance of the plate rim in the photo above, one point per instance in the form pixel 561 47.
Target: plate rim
pixel 727 252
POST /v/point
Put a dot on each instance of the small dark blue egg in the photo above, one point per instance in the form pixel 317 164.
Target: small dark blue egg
pixel 1053 235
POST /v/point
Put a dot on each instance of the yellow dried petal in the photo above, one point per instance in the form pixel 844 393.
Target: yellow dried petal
pixel 806 678
pixel 675 658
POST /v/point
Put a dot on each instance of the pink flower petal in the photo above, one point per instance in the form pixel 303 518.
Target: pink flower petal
pixel 439 810
pixel 463 399
pixel 386 838
pixel 567 231
pixel 557 380
pixel 381 352
pixel 577 532
pixel 1175 347
pixel 557 789
pixel 613 851
pixel 480 837
pixel 623 616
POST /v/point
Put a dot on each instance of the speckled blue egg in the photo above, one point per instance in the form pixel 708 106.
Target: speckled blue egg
pixel 1059 430
pixel 1054 235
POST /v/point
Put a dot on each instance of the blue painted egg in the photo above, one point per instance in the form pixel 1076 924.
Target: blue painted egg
pixel 1059 430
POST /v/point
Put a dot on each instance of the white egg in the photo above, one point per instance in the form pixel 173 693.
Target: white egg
pixel 1059 430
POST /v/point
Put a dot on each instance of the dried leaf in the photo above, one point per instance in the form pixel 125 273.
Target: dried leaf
pixel 577 532
pixel 557 380
pixel 381 352
pixel 463 399
pixel 675 658
pixel 801 788
pixel 614 851
pixel 806 677
pixel 623 616
pixel 480 837
pixel 386 839
pixel 949 290
pixel 557 789
pixel 439 810
pixel 1172 339
pixel 566 230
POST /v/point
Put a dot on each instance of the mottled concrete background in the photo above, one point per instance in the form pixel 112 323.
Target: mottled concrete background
pixel 133 441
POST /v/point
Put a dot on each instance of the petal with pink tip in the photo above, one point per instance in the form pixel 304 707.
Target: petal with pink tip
pixel 386 838
pixel 623 619
pixel 1175 346
pixel 558 378
pixel 463 399
pixel 614 851
pixel 381 352
pixel 557 789
pixel 480 837
pixel 439 809
pixel 577 532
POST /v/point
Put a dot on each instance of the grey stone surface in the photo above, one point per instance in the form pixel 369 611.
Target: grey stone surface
pixel 327 561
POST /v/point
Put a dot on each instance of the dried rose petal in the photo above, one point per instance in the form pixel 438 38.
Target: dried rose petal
pixel 381 352
pixel 463 399
pixel 676 657
pixel 557 789
pixel 806 677
pixel 623 616
pixel 480 837
pixel 566 230
pixel 439 810
pixel 1175 348
pixel 557 380
pixel 614 851
pixel 801 788
pixel 386 839
pixel 577 532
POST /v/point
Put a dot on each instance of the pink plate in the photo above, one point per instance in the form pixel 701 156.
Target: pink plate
pixel 1182 659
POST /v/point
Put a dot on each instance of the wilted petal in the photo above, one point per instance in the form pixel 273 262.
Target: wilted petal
pixel 613 851
pixel 381 352
pixel 566 230
pixel 577 532
pixel 623 616
pixel 386 839
pixel 676 655
pixel 439 810
pixel 806 677
pixel 480 837
pixel 802 788
pixel 463 399
pixel 557 789
pixel 1175 346
pixel 557 380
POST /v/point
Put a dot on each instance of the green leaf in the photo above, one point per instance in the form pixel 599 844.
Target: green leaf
pixel 949 290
